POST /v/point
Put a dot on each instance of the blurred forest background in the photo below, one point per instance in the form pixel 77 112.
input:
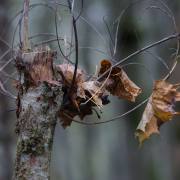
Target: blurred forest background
pixel 105 151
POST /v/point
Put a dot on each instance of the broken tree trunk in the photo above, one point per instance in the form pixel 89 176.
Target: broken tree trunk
pixel 39 99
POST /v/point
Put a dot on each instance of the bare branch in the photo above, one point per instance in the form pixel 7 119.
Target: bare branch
pixel 173 36
pixel 25 31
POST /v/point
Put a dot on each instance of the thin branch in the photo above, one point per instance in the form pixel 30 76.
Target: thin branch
pixel 57 37
pixel 173 36
pixel 110 36
pixel 76 49
pixel 114 118
pixel 5 54
pixel 142 65
pixel 118 21
pixel 102 86
pixel 5 92
pixel 5 65
pixel 158 58
pixel 95 29
pixel 81 11
pixel 167 11
pixel 25 31
pixel 171 70
pixel 5 74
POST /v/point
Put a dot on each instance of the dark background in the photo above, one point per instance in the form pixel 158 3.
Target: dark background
pixel 106 151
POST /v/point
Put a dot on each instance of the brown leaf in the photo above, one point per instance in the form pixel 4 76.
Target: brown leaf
pixel 80 106
pixel 159 109
pixel 67 71
pixel 84 96
pixel 66 115
pixel 95 90
pixel 148 124
pixel 118 83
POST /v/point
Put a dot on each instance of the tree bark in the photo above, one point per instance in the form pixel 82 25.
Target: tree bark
pixel 37 105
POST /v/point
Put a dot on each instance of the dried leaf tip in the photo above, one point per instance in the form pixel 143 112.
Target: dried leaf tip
pixel 67 71
pixel 159 109
pixel 118 83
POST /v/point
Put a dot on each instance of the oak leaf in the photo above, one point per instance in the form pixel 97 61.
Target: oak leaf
pixel 159 109
pixel 118 83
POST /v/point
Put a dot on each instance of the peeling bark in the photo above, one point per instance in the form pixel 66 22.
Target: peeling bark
pixel 37 107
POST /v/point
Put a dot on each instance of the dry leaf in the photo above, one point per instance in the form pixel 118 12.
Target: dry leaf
pixel 92 93
pixel 87 94
pixel 80 106
pixel 67 71
pixel 66 117
pixel 67 114
pixel 93 97
pixel 118 83
pixel 72 100
pixel 148 124
pixel 159 109
pixel 95 90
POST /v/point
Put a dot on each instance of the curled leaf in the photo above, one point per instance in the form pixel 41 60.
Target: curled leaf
pixel 159 109
pixel 118 83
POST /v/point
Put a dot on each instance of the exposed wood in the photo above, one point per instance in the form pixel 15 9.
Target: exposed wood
pixel 25 27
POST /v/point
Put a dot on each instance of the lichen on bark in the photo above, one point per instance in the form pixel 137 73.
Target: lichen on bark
pixel 38 103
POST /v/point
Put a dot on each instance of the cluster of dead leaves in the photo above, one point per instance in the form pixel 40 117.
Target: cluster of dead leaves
pixel 86 94
pixel 81 97
pixel 159 109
